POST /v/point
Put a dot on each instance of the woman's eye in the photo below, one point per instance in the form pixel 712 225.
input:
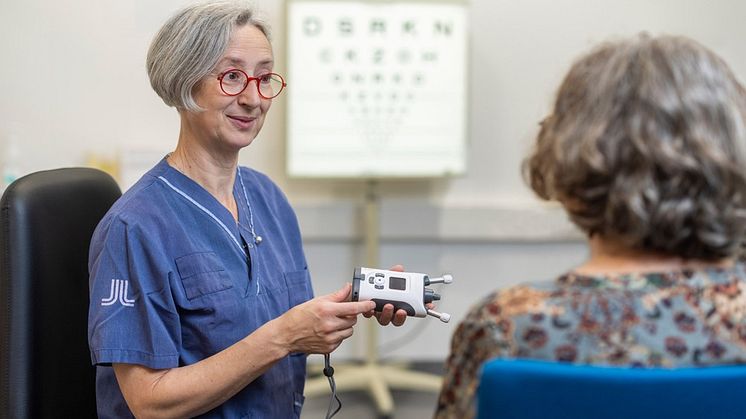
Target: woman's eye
pixel 232 76
pixel 265 78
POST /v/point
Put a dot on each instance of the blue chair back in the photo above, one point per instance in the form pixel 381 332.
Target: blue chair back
pixel 526 389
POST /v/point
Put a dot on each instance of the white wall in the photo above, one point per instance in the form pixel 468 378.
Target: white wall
pixel 73 82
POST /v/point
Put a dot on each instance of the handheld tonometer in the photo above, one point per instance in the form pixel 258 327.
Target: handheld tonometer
pixel 404 290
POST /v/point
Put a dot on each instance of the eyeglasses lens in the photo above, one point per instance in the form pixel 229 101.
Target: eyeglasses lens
pixel 233 82
pixel 270 85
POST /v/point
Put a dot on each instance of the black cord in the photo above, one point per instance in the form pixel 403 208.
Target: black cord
pixel 329 373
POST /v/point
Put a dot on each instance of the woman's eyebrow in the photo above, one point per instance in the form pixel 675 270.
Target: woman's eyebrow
pixel 238 62
pixel 265 63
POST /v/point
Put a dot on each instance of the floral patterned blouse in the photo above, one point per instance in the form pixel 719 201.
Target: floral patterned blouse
pixel 673 319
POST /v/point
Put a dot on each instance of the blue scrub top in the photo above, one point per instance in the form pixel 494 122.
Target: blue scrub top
pixel 171 284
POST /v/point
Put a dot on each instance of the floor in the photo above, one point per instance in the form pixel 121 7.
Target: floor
pixel 358 405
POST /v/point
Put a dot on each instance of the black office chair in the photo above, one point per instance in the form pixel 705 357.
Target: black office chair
pixel 46 223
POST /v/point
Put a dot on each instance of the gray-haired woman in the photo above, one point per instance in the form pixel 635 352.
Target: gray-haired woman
pixel 645 151
pixel 201 301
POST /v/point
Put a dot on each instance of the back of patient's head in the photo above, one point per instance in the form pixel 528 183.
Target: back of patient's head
pixel 645 147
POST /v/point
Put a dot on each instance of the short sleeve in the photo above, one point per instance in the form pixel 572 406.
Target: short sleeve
pixel 132 316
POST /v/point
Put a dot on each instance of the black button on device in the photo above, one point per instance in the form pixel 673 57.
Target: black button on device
pixel 370 280
pixel 379 274
pixel 379 287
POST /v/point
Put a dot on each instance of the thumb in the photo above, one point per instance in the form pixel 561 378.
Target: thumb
pixel 339 295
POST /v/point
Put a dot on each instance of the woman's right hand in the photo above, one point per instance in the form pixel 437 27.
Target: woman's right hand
pixel 319 326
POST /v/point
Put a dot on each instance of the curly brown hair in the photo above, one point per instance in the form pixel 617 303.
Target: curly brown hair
pixel 646 146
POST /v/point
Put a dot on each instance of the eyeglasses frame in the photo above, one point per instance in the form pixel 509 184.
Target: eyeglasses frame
pixel 249 80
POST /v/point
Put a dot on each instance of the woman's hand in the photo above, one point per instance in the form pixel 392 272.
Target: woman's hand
pixel 320 325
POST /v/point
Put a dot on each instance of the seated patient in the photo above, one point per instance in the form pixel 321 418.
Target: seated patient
pixel 645 151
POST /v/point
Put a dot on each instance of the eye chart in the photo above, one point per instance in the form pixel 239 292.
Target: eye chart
pixel 376 89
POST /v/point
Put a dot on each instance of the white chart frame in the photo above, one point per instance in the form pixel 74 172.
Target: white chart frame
pixel 376 89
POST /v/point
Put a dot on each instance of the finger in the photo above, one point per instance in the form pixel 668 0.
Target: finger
pixel 327 348
pixel 399 318
pixel 342 322
pixel 353 308
pixel 337 337
pixel 342 334
pixel 431 306
pixel 384 318
pixel 397 268
pixel 329 329
pixel 339 295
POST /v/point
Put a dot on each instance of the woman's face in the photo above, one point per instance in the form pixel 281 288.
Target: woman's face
pixel 229 123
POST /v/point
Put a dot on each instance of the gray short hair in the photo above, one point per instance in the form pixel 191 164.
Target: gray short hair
pixel 646 146
pixel 190 44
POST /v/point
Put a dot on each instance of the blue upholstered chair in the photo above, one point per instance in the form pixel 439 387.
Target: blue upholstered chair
pixel 524 389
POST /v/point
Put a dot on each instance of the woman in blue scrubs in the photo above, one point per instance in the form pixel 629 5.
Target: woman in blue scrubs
pixel 201 301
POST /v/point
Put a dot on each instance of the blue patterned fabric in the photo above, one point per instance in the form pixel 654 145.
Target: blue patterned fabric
pixel 671 319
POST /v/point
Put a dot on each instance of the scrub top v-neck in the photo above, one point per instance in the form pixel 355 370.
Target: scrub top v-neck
pixel 171 283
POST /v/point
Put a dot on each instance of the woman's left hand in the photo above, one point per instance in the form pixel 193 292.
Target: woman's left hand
pixel 387 315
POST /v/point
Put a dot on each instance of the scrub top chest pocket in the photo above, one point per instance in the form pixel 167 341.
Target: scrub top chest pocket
pixel 299 287
pixel 202 274
pixel 285 290
pixel 212 313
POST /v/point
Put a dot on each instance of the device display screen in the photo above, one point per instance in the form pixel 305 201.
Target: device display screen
pixel 396 283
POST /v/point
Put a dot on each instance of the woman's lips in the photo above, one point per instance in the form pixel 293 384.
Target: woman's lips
pixel 242 122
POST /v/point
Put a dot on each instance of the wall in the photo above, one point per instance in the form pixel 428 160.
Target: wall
pixel 73 83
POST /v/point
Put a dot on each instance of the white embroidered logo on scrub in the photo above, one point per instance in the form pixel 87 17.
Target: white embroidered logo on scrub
pixel 118 293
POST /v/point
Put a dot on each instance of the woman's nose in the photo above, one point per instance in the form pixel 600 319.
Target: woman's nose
pixel 250 95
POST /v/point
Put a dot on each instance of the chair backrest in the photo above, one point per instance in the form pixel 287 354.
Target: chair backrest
pixel 46 223
pixel 526 389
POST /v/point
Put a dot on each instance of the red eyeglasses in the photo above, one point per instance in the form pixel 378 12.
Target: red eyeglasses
pixel 235 81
